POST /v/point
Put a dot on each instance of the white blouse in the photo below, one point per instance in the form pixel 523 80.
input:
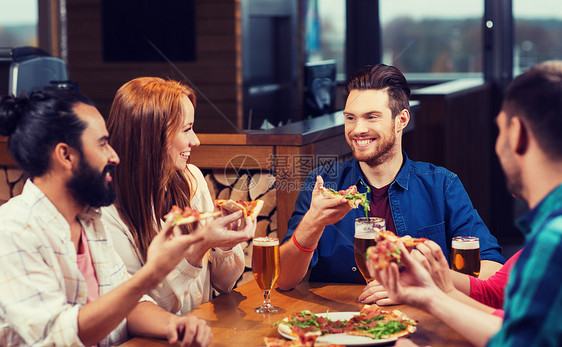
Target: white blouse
pixel 186 286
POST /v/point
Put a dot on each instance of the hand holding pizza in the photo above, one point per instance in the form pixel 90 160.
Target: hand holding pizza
pixel 412 285
pixel 326 209
pixel 170 246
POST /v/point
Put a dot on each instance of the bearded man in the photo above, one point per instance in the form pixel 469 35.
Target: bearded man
pixel 414 198
pixel 62 282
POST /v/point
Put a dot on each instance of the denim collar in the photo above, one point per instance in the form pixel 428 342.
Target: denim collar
pixel 401 179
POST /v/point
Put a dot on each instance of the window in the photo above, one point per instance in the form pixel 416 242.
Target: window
pixel 325 32
pixel 18 26
pixel 438 37
pixel 538 25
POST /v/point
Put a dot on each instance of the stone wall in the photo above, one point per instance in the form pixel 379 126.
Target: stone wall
pixel 246 186
pixel 11 182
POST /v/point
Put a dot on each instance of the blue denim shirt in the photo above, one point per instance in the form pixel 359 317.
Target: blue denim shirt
pixel 425 200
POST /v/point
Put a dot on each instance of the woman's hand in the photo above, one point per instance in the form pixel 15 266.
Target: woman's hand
pixel 189 331
pixel 411 285
pixel 430 255
pixel 216 234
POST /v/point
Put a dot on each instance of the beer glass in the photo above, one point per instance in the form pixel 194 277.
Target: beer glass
pixel 465 257
pixel 366 231
pixel 265 266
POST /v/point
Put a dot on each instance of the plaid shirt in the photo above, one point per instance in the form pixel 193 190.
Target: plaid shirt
pixel 533 297
pixel 40 284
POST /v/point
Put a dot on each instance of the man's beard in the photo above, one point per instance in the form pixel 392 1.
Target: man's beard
pixel 90 187
pixel 513 179
pixel 382 153
pixel 512 173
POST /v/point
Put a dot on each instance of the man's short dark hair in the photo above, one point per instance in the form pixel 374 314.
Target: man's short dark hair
pixel 36 123
pixel 379 77
pixel 536 97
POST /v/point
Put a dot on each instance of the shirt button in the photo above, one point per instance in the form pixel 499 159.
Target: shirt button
pixel 354 269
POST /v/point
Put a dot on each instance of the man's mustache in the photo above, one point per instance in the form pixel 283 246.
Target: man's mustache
pixel 109 168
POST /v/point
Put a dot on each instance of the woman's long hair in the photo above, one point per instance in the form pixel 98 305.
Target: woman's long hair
pixel 145 114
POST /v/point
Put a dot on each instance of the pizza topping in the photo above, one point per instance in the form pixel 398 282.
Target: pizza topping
pixel 189 215
pixel 408 241
pixel 370 322
pixel 383 253
pixel 353 196
pixel 248 208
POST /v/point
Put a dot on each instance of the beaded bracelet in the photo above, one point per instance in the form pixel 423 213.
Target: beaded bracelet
pixel 301 247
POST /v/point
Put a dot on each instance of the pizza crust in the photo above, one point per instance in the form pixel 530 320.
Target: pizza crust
pixel 232 206
pixel 192 219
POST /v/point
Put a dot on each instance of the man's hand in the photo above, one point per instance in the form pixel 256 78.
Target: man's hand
pixel 168 247
pixel 326 210
pixel 374 293
pixel 189 331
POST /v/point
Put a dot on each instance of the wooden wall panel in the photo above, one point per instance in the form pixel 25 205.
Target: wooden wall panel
pixel 214 72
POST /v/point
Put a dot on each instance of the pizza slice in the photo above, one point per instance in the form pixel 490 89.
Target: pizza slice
pixel 248 208
pixel 353 197
pixel 384 253
pixel 189 215
pixel 409 242
pixel 387 251
pixel 377 323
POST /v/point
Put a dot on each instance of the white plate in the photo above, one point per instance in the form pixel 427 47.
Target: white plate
pixel 343 339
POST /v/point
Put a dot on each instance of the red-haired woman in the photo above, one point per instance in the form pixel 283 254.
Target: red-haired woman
pixel 151 128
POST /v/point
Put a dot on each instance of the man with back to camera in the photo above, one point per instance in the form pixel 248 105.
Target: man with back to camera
pixel 61 281
pixel 415 198
pixel 529 148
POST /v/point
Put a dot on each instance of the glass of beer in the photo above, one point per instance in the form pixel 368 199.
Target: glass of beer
pixel 366 231
pixel 265 266
pixel 465 257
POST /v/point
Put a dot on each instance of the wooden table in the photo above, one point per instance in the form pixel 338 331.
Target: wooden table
pixel 234 323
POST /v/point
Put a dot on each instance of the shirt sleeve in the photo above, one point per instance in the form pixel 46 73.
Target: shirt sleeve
pixel 226 267
pixel 33 299
pixel 463 220
pixel 491 291
pixel 533 305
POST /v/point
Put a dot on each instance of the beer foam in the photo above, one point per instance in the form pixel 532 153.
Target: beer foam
pixel 366 236
pixel 266 241
pixel 465 243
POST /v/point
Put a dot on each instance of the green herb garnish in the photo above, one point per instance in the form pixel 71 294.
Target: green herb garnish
pixel 362 197
pixel 380 329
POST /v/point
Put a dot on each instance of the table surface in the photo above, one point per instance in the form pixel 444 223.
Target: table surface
pixel 233 321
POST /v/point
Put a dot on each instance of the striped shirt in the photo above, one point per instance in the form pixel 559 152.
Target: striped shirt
pixel 41 287
pixel 533 303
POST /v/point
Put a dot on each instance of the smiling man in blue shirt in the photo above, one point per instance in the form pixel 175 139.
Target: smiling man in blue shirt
pixel 415 198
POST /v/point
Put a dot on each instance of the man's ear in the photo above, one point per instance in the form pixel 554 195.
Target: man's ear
pixel 65 156
pixel 402 119
pixel 519 133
